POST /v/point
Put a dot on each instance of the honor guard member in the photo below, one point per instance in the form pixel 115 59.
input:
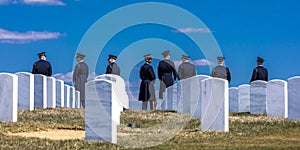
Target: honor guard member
pixel 186 69
pixel 260 72
pixel 112 67
pixel 221 71
pixel 80 76
pixel 42 66
pixel 166 73
pixel 147 92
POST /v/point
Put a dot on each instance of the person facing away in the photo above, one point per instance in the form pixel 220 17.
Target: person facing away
pixel 147 91
pixel 166 73
pixel 112 67
pixel 42 66
pixel 80 76
pixel 260 72
pixel 221 71
pixel 186 69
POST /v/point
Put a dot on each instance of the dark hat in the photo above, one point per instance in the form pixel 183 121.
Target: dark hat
pixel 166 53
pixel 112 56
pixel 41 54
pixel 148 56
pixel 80 55
pixel 259 59
pixel 185 57
pixel 221 58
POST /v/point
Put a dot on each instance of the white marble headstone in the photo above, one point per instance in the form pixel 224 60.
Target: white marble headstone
pixel 119 88
pixel 135 105
pixel 184 96
pixel 67 96
pixel 100 125
pixel 294 98
pixel 244 98
pixel 72 97
pixel 215 109
pixel 195 110
pixel 8 97
pixel 60 94
pixel 40 91
pixel 277 99
pixel 233 99
pixel 25 91
pixel 77 99
pixel 51 92
pixel 258 97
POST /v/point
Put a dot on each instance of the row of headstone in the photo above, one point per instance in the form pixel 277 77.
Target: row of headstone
pixel 25 91
pixel 201 97
pixel 276 98
pixel 105 99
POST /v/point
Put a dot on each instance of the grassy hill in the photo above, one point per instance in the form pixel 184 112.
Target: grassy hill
pixel 246 131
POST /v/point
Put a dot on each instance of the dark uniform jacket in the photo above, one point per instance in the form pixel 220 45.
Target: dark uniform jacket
pixel 259 73
pixel 221 72
pixel 148 78
pixel 186 70
pixel 166 74
pixel 113 69
pixel 80 76
pixel 42 67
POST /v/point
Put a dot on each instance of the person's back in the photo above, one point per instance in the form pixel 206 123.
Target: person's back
pixel 219 72
pixel 42 66
pixel 186 69
pixel 259 72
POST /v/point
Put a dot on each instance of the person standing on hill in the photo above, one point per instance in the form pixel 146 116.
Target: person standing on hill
pixel 42 66
pixel 112 67
pixel 221 71
pixel 259 72
pixel 80 76
pixel 147 91
pixel 166 73
pixel 186 69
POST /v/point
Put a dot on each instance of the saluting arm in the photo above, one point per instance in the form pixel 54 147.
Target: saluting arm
pixel 254 75
pixel 159 72
pixel 33 69
pixel 228 75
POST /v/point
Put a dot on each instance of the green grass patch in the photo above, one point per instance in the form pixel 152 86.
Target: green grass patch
pixel 246 131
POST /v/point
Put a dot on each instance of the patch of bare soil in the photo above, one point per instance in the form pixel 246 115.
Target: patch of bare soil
pixel 53 134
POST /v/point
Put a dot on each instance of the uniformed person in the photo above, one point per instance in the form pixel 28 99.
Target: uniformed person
pixel 221 71
pixel 260 72
pixel 112 67
pixel 166 73
pixel 147 92
pixel 186 69
pixel 80 76
pixel 42 66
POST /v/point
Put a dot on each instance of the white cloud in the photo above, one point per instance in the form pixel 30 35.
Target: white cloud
pixel 26 37
pixel 44 2
pixel 197 62
pixel 202 62
pixel 34 2
pixel 192 30
pixel 68 77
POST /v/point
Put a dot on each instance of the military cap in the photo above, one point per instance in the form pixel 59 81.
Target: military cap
pixel 259 59
pixel 221 58
pixel 148 56
pixel 79 55
pixel 185 57
pixel 112 56
pixel 41 54
pixel 166 53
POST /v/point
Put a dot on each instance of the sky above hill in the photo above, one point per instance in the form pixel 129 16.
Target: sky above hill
pixel 242 30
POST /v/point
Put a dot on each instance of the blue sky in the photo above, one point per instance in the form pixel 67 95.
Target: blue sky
pixel 243 29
